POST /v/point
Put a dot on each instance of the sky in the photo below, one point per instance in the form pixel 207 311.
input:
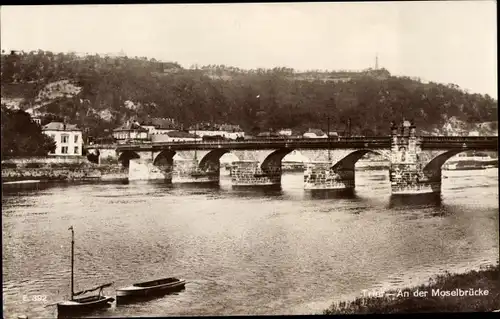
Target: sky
pixel 446 41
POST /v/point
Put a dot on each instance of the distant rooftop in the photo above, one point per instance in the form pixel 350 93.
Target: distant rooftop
pixel 205 126
pixel 160 123
pixel 318 132
pixel 58 126
pixel 129 126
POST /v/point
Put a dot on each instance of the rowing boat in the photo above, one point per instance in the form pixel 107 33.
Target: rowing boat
pixel 83 305
pixel 151 288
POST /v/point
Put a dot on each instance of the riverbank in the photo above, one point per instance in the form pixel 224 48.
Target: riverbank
pixel 474 291
pixel 52 169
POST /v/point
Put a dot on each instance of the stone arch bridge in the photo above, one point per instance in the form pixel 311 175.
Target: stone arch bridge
pixel 415 161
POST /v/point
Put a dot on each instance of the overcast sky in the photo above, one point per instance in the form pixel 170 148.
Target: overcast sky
pixel 449 42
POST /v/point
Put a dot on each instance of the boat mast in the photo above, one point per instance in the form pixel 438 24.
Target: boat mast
pixel 195 134
pixel 72 259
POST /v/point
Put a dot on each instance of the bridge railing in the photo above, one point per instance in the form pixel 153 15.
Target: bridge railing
pixel 305 141
pixel 277 141
pixel 459 139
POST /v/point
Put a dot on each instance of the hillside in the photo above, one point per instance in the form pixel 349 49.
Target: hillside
pixel 100 92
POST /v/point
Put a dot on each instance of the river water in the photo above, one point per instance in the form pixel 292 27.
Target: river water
pixel 242 251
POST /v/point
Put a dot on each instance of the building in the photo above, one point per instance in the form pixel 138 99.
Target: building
pixel 225 134
pixel 230 128
pixel 37 120
pixel 314 133
pixel 175 136
pixel 228 131
pixel 159 125
pixel 130 131
pixel 68 138
pixel 333 134
pixel 285 132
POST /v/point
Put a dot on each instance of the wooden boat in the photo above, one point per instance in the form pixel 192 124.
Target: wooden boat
pixel 26 181
pixel 76 306
pixel 150 288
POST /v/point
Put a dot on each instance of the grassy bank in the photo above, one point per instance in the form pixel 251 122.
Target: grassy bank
pixel 430 298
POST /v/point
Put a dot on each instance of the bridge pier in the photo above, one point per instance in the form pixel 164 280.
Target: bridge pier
pixel 250 173
pixel 411 172
pixel 321 175
pixel 411 179
pixel 189 171
pixel 257 168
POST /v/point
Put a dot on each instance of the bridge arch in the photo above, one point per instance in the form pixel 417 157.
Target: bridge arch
pixel 126 156
pixel 275 158
pixel 164 158
pixel 211 160
pixel 349 161
pixel 437 162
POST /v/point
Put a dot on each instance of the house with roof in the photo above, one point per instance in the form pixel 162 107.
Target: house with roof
pixel 130 131
pixel 315 133
pixel 229 131
pixel 36 119
pixel 68 138
pixel 285 132
pixel 333 134
pixel 159 125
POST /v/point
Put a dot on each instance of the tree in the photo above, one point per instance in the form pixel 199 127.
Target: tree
pixel 23 137
pixel 297 100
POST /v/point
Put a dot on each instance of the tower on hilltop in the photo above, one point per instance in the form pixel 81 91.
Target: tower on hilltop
pixel 376 61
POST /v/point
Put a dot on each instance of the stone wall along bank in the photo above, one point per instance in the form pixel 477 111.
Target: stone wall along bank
pixel 62 171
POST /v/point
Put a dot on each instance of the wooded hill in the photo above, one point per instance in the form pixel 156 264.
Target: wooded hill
pixel 101 92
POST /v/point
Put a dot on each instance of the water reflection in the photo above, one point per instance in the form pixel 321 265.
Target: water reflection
pixel 102 312
pixel 203 186
pixel 26 188
pixel 414 201
pixel 266 191
pixel 330 194
pixel 123 301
